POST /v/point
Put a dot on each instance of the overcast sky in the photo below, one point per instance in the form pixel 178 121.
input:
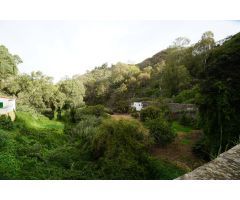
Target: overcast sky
pixel 60 48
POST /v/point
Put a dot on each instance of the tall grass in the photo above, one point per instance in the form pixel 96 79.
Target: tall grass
pixel 177 127
pixel 39 122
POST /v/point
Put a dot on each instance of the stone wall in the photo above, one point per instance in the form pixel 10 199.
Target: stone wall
pixel 181 107
pixel 177 110
pixel 225 167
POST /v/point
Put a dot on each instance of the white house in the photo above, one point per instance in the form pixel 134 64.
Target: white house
pixel 137 105
pixel 7 106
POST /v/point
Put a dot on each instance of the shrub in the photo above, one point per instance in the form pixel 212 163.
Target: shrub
pixel 121 107
pixel 150 112
pixel 97 110
pixel 186 120
pixel 6 122
pixel 82 129
pixel 9 166
pixel 163 170
pixel 160 109
pixel 81 113
pixel 113 149
pixel 135 115
pixel 200 149
pixel 3 140
pixel 161 131
pixel 62 156
pixel 121 152
pixel 120 149
pixel 126 134
pixel 187 96
pixel 108 111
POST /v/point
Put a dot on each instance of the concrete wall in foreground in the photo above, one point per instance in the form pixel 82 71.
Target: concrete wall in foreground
pixel 225 167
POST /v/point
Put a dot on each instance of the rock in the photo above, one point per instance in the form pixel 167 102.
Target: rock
pixel 225 167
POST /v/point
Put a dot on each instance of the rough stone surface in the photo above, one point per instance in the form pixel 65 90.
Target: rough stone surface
pixel 182 107
pixel 225 167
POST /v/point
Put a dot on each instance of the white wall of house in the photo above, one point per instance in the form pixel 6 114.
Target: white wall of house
pixel 9 105
pixel 138 106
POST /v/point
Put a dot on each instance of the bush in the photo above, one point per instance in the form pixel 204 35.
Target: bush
pixel 9 167
pixel 82 129
pixel 120 148
pixel 161 131
pixel 135 115
pixel 121 107
pixel 108 111
pixel 97 110
pixel 200 149
pixel 81 113
pixel 187 96
pixel 113 149
pixel 3 140
pixel 150 112
pixel 186 120
pixel 163 170
pixel 6 122
pixel 127 134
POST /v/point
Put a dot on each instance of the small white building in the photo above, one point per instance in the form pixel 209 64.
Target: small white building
pixel 7 106
pixel 137 105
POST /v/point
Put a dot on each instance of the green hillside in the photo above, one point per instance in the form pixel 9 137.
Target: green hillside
pixel 84 128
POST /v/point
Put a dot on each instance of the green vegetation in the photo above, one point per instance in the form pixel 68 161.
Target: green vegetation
pixel 38 122
pixel 188 96
pixel 94 148
pixel 220 97
pixel 24 149
pixel 8 64
pixel 177 127
pixel 150 113
pixel 153 112
pixel 161 131
pixel 65 130
pixel 185 141
pixel 6 122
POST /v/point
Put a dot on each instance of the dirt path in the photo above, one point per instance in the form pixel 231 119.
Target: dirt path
pixel 121 116
pixel 180 151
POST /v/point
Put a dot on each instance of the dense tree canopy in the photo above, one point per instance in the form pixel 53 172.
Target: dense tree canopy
pixel 219 105
pixel 73 90
pixel 8 63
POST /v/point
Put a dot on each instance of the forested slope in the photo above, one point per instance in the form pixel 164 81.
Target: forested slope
pixel 66 130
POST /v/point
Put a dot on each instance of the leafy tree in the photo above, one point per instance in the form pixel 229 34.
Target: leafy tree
pixel 174 79
pixel 220 100
pixel 35 90
pixel 197 57
pixel 74 91
pixel 8 63
pixel 143 78
pixel 188 95
pixel 181 42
